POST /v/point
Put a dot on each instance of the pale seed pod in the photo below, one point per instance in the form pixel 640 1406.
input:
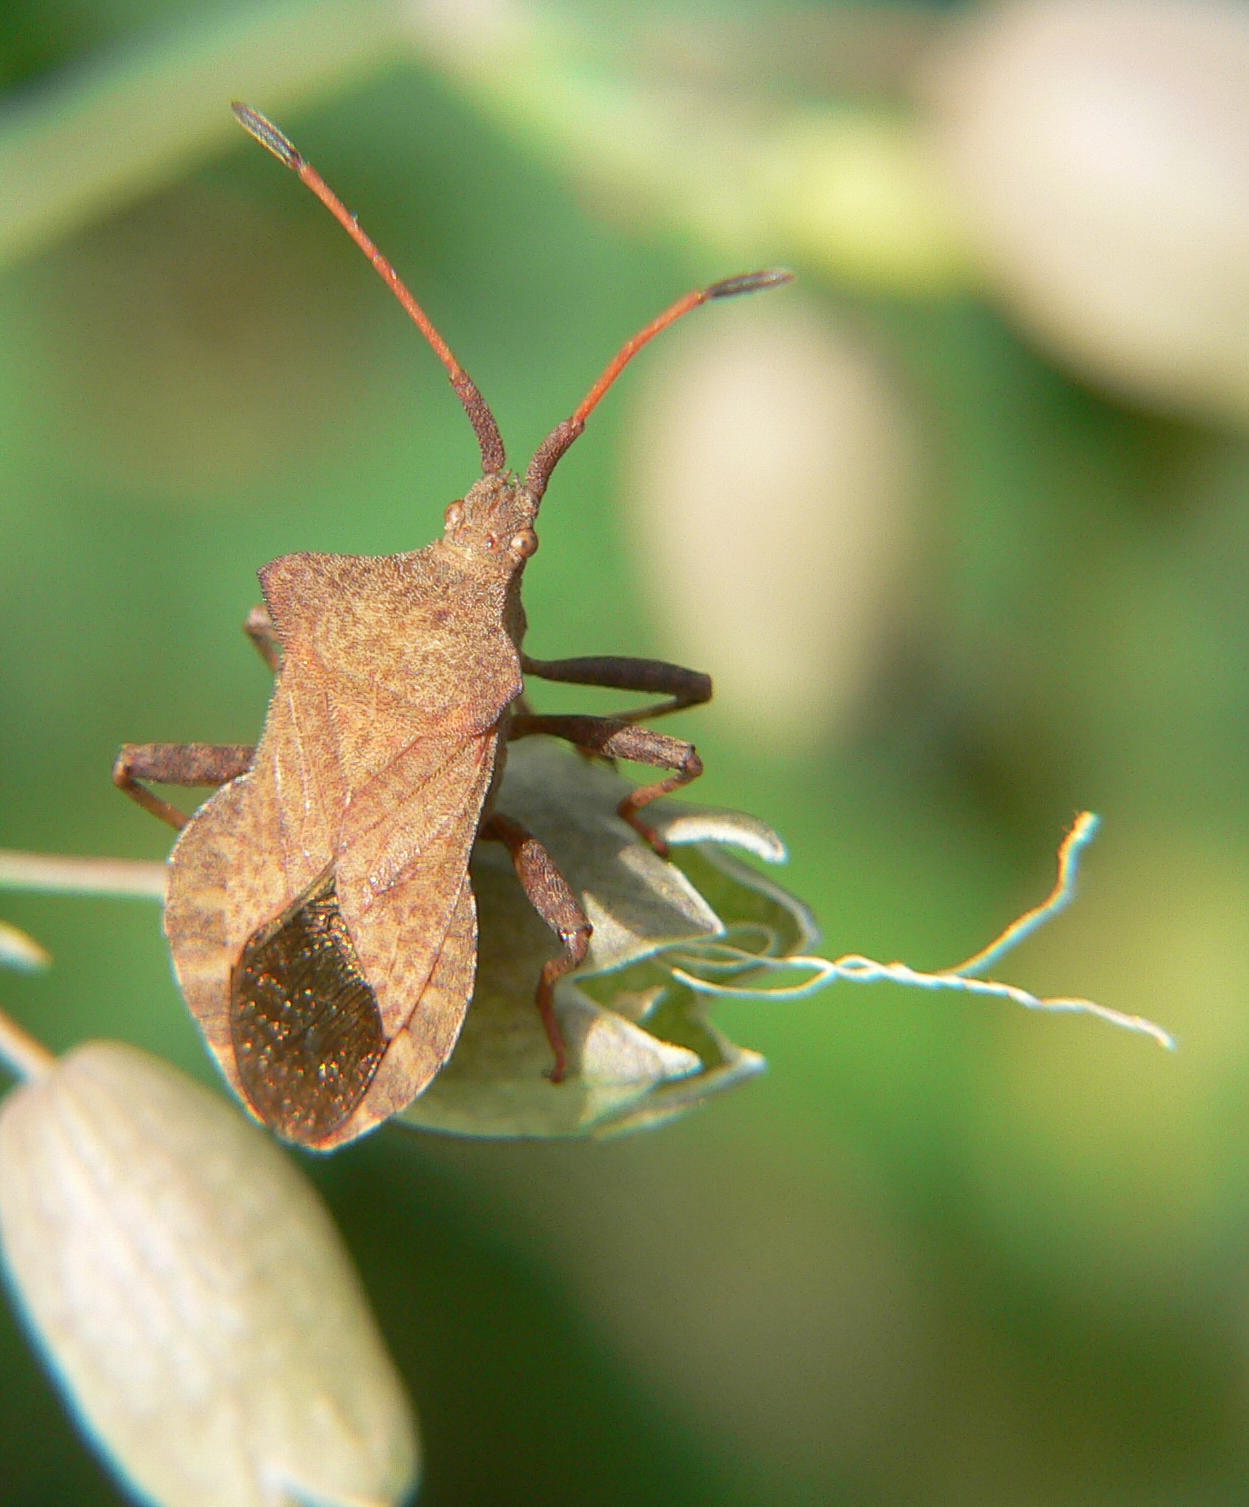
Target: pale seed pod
pixel 191 1294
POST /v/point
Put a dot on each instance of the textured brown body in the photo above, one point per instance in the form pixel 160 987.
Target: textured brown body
pixel 375 766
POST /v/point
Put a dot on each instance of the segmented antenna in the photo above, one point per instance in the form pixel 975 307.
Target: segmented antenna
pixel 551 450
pixel 489 439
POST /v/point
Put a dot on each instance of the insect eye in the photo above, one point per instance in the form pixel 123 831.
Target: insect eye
pixel 451 518
pixel 523 543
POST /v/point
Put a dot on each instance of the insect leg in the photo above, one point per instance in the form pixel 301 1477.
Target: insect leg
pixel 551 896
pixel 177 764
pixel 615 738
pixel 259 628
pixel 618 672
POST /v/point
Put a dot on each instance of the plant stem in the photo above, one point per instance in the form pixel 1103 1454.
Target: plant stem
pixel 81 876
pixel 142 116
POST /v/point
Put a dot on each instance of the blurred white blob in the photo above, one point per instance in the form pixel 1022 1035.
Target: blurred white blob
pixel 1101 151
pixel 773 475
pixel 192 1295
pixel 17 950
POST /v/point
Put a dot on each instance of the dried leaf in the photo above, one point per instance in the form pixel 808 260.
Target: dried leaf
pixel 640 1047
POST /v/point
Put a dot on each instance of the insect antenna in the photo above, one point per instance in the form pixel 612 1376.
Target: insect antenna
pixel 489 439
pixel 551 450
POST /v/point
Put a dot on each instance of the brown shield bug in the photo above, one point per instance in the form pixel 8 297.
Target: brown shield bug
pixel 320 916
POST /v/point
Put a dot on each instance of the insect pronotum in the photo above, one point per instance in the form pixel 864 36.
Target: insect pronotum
pixel 319 913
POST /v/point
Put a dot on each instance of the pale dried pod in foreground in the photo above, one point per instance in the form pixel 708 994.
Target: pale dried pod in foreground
pixel 192 1295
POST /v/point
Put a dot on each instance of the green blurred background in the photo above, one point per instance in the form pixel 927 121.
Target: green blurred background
pixel 944 1251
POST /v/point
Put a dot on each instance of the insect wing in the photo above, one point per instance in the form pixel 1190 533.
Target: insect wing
pixel 404 893
pixel 217 893
pixel 331 985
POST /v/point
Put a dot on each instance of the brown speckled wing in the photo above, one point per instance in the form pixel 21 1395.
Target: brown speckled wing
pixel 399 883
pixel 220 891
pixel 401 867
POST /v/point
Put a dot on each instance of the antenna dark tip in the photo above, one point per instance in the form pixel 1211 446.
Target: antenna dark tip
pixel 559 439
pixel 750 282
pixel 267 134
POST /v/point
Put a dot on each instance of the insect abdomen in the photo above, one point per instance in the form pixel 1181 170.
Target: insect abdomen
pixel 305 1025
